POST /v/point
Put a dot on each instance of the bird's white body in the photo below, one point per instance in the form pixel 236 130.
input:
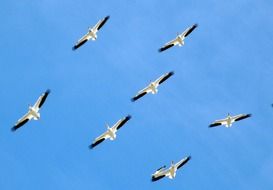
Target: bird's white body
pixel 229 121
pixel 153 87
pixel 34 112
pixel 111 132
pixel 180 40
pixel 172 172
pixel 93 33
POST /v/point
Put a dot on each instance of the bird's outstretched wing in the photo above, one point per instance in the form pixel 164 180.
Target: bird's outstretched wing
pixel 169 45
pixel 138 96
pixel 22 121
pixel 241 117
pixel 141 93
pixel 99 140
pixel 215 124
pixel 80 42
pixel 165 47
pixel 218 123
pixel 121 122
pixel 164 77
pixel 41 100
pixel 100 24
pixel 189 30
pixel 182 162
pixel 156 178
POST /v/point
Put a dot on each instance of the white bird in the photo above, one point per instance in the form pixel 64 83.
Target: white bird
pixel 152 87
pixel 111 132
pixel 33 111
pixel 91 34
pixel 179 40
pixel 229 120
pixel 171 171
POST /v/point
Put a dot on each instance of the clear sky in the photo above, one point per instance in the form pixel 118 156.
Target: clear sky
pixel 224 67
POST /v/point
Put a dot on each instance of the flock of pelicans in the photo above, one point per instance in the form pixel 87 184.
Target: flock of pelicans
pixel 33 111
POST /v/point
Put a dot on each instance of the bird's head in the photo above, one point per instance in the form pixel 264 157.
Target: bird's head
pixel 29 106
pixel 107 126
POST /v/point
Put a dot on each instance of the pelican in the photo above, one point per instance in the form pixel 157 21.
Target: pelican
pixel 179 40
pixel 229 120
pixel 33 111
pixel 111 132
pixel 152 87
pixel 171 171
pixel 91 34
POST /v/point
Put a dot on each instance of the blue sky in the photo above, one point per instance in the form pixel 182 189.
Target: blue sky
pixel 224 67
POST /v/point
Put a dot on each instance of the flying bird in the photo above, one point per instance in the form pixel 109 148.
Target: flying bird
pixel 229 120
pixel 91 34
pixel 171 171
pixel 179 40
pixel 152 87
pixel 111 132
pixel 33 111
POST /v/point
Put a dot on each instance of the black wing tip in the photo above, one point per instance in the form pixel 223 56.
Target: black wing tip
pixel 171 73
pixel 128 117
pixel 14 128
pixel 161 167
pixel 165 47
pixel 107 17
pixel 91 146
pixel 74 48
pixel 195 25
pixel 243 117
pixel 153 179
pixel 188 157
pixel 161 49
pixel 214 125
pixel 248 115
pixel 157 178
pixel 47 91
pixel 138 96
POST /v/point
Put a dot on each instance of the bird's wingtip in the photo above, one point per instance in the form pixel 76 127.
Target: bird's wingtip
pixel 48 91
pixel 128 116
pixel 13 129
